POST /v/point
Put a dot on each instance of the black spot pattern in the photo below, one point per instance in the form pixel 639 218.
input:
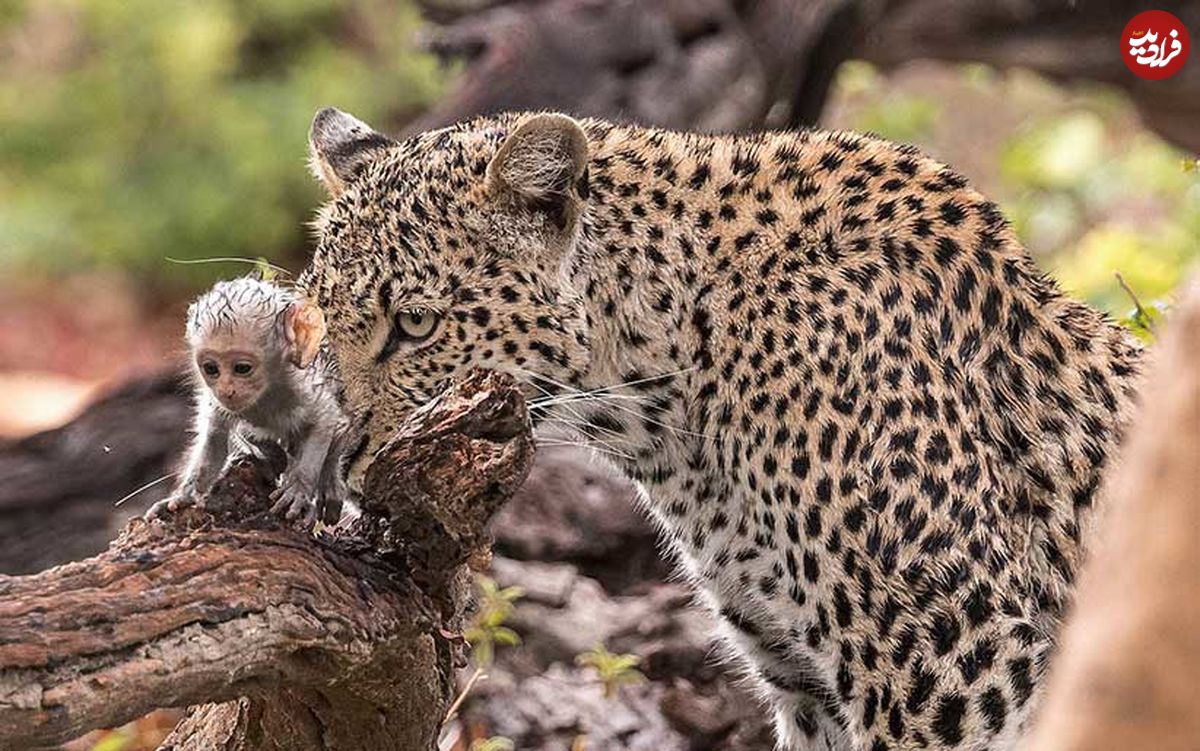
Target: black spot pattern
pixel 873 429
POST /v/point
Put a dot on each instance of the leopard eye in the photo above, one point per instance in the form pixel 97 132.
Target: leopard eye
pixel 416 325
pixel 409 327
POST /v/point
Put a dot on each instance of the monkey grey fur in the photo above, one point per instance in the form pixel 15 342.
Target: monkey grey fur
pixel 263 375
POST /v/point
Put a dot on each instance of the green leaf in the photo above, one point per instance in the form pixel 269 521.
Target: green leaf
pixel 506 637
pixel 483 653
pixel 631 678
pixel 624 662
pixel 512 594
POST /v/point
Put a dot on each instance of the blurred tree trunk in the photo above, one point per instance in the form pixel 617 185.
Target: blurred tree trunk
pixel 746 64
pixel 1069 41
pixel 708 65
pixel 60 489
pixel 1126 674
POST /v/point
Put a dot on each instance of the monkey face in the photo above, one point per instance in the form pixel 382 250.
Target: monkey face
pixel 236 377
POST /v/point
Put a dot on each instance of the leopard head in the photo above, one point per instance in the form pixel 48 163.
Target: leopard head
pixel 445 252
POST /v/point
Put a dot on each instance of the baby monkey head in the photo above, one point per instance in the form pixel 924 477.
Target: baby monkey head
pixel 245 335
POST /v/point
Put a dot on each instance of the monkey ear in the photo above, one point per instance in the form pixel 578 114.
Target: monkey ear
pixel 304 330
pixel 542 166
pixel 339 145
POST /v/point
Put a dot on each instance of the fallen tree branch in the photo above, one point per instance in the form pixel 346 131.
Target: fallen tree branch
pixel 345 641
pixel 737 65
pixel 56 501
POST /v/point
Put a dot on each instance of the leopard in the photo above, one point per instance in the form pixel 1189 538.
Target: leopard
pixel 870 432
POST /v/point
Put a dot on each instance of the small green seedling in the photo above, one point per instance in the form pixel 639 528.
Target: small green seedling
pixel 1142 320
pixel 613 670
pixel 489 631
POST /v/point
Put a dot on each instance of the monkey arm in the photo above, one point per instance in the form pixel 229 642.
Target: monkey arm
pixel 206 458
pixel 333 491
pixel 297 493
pixel 209 452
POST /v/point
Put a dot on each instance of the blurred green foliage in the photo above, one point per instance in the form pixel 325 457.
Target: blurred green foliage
pixel 898 116
pixel 1111 203
pixel 133 130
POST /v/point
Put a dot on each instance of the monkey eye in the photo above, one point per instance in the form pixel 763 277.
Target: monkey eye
pixel 243 368
pixel 210 368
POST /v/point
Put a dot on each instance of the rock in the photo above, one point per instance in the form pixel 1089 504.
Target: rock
pixel 573 508
pixel 549 711
pixel 538 697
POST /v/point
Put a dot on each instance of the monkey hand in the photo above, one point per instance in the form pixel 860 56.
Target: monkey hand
pixel 295 498
pixel 331 500
pixel 183 497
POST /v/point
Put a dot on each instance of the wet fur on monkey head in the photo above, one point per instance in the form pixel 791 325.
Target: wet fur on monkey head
pixel 262 376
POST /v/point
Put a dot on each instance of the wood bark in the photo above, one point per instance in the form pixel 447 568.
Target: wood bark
pixel 1125 677
pixel 60 486
pixel 346 639
pixel 738 65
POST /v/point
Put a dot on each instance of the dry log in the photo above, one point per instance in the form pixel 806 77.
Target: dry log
pixel 56 500
pixel 691 64
pixel 1126 675
pixel 342 641
pixel 1067 41
pixel 738 65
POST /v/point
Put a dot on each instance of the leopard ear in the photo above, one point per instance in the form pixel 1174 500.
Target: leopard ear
pixel 340 145
pixel 542 166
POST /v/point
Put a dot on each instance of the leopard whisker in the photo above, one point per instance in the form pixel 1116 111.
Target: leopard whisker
pixel 589 446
